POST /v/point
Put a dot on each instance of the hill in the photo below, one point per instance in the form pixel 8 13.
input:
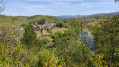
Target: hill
pixel 100 14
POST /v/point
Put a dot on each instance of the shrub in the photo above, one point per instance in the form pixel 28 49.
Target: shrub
pixel 47 59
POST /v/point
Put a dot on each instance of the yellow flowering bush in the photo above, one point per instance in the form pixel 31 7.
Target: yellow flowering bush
pixel 47 59
pixel 10 56
pixel 97 59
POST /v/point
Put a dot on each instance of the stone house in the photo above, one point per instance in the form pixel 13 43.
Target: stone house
pixel 46 25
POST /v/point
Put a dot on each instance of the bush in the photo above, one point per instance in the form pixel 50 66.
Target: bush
pixel 11 56
pixel 47 59
pixel 42 21
pixel 59 24
pixel 29 37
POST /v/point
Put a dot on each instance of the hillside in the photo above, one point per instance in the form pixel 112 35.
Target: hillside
pixel 59 33
pixel 38 41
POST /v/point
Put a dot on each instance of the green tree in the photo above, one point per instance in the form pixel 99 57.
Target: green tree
pixel 106 32
pixel 29 37
pixel 59 24
pixel 42 21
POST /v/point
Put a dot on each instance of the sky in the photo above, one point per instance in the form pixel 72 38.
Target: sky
pixel 59 7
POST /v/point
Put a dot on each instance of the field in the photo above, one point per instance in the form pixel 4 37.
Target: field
pixel 58 29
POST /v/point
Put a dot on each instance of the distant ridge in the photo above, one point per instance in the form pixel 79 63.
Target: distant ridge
pixel 108 14
pixel 100 14
pixel 71 16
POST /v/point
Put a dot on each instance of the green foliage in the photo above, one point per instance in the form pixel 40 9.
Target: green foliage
pixel 39 19
pixel 29 37
pixel 42 21
pixel 58 34
pixel 67 49
pixel 106 35
pixel 69 46
pixel 59 24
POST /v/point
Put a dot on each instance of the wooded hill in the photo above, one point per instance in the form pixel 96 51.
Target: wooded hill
pixel 21 45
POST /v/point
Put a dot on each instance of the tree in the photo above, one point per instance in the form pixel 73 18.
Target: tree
pixel 42 21
pixel 106 32
pixel 29 37
pixel 59 24
pixel 2 6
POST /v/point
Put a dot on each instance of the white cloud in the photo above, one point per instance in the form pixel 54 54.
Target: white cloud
pixel 61 6
pixel 54 0
pixel 61 3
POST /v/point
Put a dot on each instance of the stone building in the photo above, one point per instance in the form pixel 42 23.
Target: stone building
pixel 46 25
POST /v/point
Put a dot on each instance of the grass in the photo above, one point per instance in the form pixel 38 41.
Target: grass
pixel 45 32
pixel 49 38
pixel 50 44
pixel 58 29
pixel 39 34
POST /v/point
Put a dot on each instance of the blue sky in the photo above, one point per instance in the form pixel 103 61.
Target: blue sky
pixel 59 7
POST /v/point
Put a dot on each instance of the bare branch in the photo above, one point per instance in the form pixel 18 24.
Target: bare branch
pixel 116 0
pixel 2 6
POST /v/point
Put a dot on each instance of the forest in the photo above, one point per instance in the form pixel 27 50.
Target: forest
pixel 47 41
